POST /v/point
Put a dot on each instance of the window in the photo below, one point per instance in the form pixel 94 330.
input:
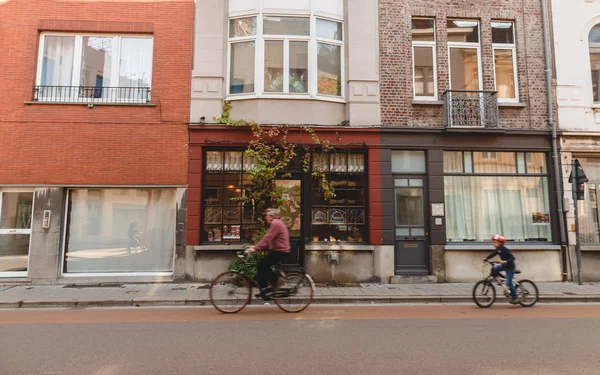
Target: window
pixel 94 68
pixel 464 55
pixel 285 55
pixel 408 162
pixel 502 193
pixel 589 228
pixel 424 59
pixel 343 218
pixel 594 42
pixel 120 231
pixel 16 208
pixel 225 218
pixel 505 60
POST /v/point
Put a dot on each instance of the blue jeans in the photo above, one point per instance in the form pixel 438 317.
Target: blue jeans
pixel 510 274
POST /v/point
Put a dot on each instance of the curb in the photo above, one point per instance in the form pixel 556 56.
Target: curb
pixel 341 299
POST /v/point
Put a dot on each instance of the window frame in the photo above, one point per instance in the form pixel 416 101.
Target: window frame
pixel 513 48
pixel 78 56
pixel 466 45
pixel 259 58
pixel 426 44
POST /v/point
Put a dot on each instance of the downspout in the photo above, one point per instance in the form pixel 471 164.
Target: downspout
pixel 555 157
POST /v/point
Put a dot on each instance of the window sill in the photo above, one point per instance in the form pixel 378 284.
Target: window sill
pixel 590 247
pixel 512 104
pixel 338 247
pixel 427 102
pixel 92 104
pixel 286 97
pixel 489 247
pixel 232 247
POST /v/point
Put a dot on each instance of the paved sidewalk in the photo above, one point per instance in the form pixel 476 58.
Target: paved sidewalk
pixel 166 294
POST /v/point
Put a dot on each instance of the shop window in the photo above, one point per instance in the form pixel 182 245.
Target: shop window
pixel 120 231
pixel 343 218
pixel 501 194
pixel 589 227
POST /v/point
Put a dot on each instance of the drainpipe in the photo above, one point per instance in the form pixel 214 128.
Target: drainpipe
pixel 555 157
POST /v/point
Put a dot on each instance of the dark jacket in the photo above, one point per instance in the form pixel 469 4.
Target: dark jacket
pixel 506 255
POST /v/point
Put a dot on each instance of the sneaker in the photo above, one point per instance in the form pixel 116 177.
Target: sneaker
pixel 514 301
pixel 266 294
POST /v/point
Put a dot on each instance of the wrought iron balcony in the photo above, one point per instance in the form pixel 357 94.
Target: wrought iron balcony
pixel 91 94
pixel 471 109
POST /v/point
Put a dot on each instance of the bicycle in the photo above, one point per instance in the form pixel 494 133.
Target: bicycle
pixel 484 292
pixel 231 291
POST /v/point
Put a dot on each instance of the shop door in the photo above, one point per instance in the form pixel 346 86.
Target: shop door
pixel 291 215
pixel 412 246
pixel 16 208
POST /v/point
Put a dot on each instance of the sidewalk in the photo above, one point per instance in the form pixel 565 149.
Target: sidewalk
pixel 164 294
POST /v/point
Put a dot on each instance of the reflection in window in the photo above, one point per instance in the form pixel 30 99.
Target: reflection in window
pixel 464 69
pixel 504 59
pixel 424 66
pixel 329 69
pixel 589 229
pixel 120 230
pixel 241 79
pixel 594 43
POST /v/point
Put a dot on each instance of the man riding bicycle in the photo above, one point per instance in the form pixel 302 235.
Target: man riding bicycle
pixel 277 240
pixel 507 264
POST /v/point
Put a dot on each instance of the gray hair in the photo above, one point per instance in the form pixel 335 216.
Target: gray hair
pixel 274 212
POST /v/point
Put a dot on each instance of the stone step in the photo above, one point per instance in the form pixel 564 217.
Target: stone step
pixel 429 279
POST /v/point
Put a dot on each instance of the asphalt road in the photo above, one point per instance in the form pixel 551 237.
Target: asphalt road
pixel 434 339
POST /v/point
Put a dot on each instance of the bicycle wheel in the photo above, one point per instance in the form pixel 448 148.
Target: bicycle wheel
pixel 528 293
pixel 484 294
pixel 296 292
pixel 230 292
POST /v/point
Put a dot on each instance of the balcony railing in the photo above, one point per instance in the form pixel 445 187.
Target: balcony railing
pixel 91 94
pixel 471 109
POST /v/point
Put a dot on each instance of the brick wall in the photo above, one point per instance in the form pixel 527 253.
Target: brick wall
pixel 71 144
pixel 396 62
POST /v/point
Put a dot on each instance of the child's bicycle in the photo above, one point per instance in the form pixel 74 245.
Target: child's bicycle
pixel 231 291
pixel 484 293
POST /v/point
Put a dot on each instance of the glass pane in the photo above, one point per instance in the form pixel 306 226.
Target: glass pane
pixel 273 66
pixel 356 182
pixel 356 163
pixel 135 69
pixel 594 36
pixel 503 32
pixel 356 216
pixel 505 74
pixel 320 162
pixel 520 162
pixel 212 233
pixel 57 62
pixel 137 231
pixel 232 215
pixel 536 162
pixel 591 167
pixel 242 27
pixel 463 31
pixel 96 65
pixel 213 180
pixel 416 182
pixel 402 232
pixel 338 162
pixel 464 69
pixel 14 252
pixel 213 215
pixel 423 30
pixel 329 69
pixel 479 206
pixel 286 25
pixel 423 70
pixel 401 182
pixel 408 161
pixel 213 197
pixel 468 161
pixel 588 216
pixel 409 206
pixel 299 67
pixel 233 160
pixel 232 232
pixel 16 211
pixel 214 161
pixel 291 205
pixel 453 162
pixel 329 29
pixel 494 162
pixel 417 231
pixel 355 197
pixel 242 68
pixel 595 70
pixel 248 162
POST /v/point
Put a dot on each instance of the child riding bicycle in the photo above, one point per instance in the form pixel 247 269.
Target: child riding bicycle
pixel 507 264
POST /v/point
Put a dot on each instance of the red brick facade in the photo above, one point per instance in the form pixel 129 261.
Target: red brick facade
pixel 72 144
pixel 396 62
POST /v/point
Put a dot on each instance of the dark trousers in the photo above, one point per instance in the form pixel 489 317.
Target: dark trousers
pixel 265 273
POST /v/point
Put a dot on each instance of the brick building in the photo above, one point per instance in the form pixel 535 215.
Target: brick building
pixel 93 134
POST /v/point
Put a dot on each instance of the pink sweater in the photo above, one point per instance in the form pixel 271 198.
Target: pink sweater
pixel 276 239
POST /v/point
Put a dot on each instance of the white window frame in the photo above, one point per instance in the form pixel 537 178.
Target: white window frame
pixel 18 231
pixel 428 44
pixel 77 56
pixel 466 45
pixel 259 58
pixel 512 47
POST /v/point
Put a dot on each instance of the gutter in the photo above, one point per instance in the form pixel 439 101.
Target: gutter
pixel 555 157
